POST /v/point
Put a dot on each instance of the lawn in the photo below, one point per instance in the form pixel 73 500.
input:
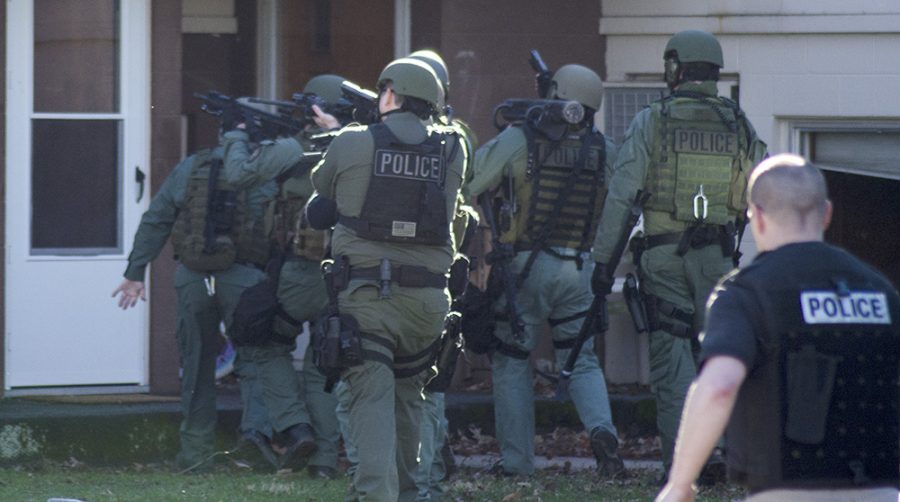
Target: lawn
pixel 225 483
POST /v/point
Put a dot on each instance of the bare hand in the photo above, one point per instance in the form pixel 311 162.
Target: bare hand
pixel 130 292
pixel 672 493
pixel 325 120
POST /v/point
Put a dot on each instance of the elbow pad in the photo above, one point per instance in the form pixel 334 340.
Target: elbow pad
pixel 321 212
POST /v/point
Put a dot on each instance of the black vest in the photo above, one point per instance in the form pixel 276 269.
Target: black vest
pixel 821 407
pixel 406 201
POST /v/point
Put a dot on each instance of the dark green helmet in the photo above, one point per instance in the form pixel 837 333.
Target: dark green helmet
pixel 578 83
pixel 694 46
pixel 411 77
pixel 437 64
pixel 327 87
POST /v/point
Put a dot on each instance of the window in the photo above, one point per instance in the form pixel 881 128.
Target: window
pixel 621 104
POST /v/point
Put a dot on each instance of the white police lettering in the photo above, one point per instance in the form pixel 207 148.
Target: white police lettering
pixel 861 307
pixel 408 165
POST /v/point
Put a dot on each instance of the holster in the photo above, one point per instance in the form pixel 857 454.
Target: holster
pixel 634 300
pixel 336 338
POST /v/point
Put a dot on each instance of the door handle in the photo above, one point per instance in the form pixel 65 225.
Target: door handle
pixel 139 178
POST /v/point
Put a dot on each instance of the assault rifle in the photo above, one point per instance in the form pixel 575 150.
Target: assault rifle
pixel 500 259
pixel 301 105
pixel 543 76
pixel 260 124
pixel 363 101
pixel 597 314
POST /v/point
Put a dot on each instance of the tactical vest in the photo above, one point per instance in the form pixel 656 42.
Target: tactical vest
pixel 290 225
pixel 832 350
pixel 568 187
pixel 214 229
pixel 406 201
pixel 699 143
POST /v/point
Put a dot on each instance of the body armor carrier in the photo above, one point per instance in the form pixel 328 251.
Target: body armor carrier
pixel 700 159
pixel 214 228
pixel 291 229
pixel 833 357
pixel 568 187
pixel 406 200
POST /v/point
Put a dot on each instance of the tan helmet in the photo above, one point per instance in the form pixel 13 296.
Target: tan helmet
pixel 578 83
pixel 327 87
pixel 411 77
pixel 695 46
pixel 436 62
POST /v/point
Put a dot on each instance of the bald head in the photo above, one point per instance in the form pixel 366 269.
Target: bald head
pixel 791 192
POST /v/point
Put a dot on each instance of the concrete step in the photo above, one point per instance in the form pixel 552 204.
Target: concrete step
pixel 140 428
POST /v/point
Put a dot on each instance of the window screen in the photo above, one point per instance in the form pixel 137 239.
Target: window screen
pixel 622 104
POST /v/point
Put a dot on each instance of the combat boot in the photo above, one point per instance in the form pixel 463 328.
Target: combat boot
pixel 605 446
pixel 301 443
pixel 254 450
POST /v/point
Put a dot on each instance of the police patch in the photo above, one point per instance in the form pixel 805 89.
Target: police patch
pixel 408 165
pixel 861 307
pixel 705 142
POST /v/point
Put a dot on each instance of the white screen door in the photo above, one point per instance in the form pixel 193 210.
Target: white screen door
pixel 77 136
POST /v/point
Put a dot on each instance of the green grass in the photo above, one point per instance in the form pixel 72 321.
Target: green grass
pixel 159 483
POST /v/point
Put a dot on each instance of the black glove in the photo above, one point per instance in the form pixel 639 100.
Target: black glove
pixel 230 118
pixel 601 281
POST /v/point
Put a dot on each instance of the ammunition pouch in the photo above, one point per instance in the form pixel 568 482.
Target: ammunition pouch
pixel 478 322
pixel 666 316
pixel 447 353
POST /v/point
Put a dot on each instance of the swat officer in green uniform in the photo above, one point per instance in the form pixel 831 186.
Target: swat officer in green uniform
pixel 553 185
pixel 301 289
pixel 392 188
pixel 692 152
pixel 217 233
pixel 433 466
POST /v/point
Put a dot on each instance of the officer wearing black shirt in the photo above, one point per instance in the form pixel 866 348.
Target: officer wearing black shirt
pixel 800 360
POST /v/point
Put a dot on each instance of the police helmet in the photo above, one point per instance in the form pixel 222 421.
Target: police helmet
pixel 436 62
pixel 694 46
pixel 578 83
pixel 413 78
pixel 327 87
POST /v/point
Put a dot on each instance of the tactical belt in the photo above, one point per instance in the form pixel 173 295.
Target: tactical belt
pixel 520 246
pixel 409 276
pixel 695 237
pixel 513 352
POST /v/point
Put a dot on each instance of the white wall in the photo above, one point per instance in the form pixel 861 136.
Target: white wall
pixel 795 58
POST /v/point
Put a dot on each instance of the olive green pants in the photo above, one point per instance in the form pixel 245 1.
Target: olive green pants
pixel 198 317
pixel 554 290
pixel 385 411
pixel 686 282
pixel 433 434
pixel 301 292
